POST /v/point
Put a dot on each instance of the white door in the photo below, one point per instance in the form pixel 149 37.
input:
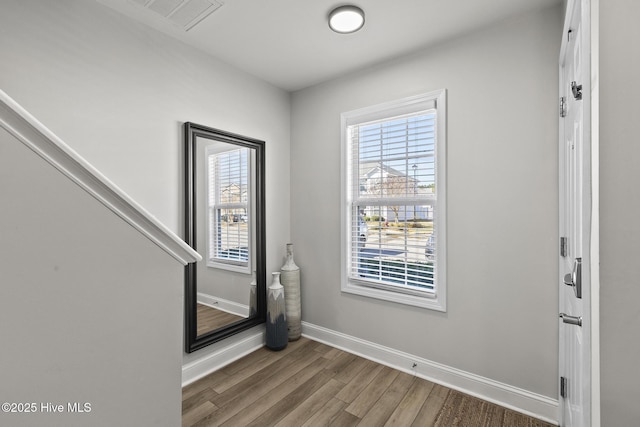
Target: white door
pixel 575 214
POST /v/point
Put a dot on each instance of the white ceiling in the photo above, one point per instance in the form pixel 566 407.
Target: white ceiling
pixel 289 44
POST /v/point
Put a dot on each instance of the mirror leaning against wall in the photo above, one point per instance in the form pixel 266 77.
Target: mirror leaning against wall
pixel 225 223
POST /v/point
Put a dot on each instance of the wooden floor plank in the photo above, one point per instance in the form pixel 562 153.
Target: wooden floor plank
pixel 210 381
pixel 326 414
pixel 345 419
pixel 408 408
pixel 273 356
pixel 268 409
pixel 245 362
pixel 431 407
pixel 372 392
pixel 307 408
pixel 311 384
pixel 233 401
pixel 350 371
pixel 197 399
pixel 388 402
pixel 339 363
pixel 256 364
pixel 327 351
pixel 283 366
pixel 290 402
pixel 359 382
pixel 201 411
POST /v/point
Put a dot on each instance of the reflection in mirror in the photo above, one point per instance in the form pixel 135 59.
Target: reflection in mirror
pixel 224 217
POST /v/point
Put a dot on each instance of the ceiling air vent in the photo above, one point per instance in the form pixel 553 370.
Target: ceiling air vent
pixel 184 13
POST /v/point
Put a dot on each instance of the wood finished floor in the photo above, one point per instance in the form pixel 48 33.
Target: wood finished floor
pixel 312 384
pixel 210 318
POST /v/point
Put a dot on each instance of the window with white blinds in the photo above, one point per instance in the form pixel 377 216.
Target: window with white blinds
pixel 228 188
pixel 394 201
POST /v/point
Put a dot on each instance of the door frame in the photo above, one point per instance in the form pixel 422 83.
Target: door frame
pixel 590 241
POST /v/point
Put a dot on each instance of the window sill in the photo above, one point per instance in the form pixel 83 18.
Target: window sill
pixel 242 268
pixel 431 302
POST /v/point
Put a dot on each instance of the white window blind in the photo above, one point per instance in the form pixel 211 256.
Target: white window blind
pixel 393 161
pixel 228 207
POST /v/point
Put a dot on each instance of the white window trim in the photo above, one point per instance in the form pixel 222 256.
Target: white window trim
pixel 436 99
pixel 235 266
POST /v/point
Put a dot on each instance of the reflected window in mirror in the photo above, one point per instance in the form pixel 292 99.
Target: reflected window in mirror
pixel 229 194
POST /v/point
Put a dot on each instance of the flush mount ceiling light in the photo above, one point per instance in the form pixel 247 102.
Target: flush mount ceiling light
pixel 346 19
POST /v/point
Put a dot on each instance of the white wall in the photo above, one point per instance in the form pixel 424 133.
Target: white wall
pixel 118 92
pixel 90 309
pixel 619 69
pixel 501 321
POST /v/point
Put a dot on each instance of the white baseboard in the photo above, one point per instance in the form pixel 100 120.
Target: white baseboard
pixel 223 304
pixel 526 402
pixel 223 356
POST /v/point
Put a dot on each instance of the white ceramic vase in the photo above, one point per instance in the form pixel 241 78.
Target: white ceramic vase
pixel 290 278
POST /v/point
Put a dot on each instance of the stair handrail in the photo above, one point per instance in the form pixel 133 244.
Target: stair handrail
pixel 27 129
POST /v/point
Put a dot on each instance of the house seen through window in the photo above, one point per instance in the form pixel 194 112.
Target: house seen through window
pixel 394 201
pixel 228 208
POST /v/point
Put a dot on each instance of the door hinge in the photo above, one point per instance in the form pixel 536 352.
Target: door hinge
pixel 563 106
pixel 563 387
pixel 563 246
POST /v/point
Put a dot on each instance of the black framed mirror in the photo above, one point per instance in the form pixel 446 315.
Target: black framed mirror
pixel 225 293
